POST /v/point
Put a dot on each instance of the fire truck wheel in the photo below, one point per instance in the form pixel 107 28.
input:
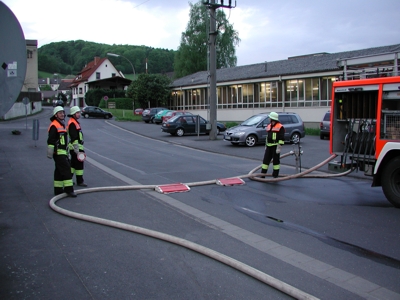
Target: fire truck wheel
pixel 391 181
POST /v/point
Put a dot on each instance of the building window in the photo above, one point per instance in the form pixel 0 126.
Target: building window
pixel 112 74
pixel 80 90
pixel 291 93
pixel 326 90
pixel 232 101
pixel 97 75
pixel 29 53
pixel 248 95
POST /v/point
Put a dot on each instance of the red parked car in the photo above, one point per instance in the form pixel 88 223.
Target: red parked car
pixel 172 113
pixel 138 111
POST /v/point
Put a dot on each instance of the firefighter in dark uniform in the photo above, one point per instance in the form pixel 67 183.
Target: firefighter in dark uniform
pixel 76 145
pixel 273 145
pixel 57 143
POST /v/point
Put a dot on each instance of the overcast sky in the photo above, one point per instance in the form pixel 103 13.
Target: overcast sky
pixel 269 30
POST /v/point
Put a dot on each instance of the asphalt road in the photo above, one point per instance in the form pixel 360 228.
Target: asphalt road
pixel 332 238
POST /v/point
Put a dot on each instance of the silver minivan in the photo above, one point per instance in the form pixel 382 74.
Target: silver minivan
pixel 325 126
pixel 252 131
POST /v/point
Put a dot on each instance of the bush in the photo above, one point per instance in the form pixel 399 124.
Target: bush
pixel 312 131
pixel 94 96
pixel 120 103
pixel 230 124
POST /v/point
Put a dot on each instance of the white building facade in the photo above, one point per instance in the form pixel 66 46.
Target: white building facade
pixel 96 70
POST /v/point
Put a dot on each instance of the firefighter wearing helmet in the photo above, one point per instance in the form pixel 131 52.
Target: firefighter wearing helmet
pixel 76 149
pixel 273 145
pixel 57 143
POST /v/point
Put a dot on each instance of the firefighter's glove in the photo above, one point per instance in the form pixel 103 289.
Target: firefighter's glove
pixel 278 149
pixel 50 152
pixel 76 148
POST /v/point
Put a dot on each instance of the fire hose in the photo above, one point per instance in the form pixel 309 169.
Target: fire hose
pixel 246 269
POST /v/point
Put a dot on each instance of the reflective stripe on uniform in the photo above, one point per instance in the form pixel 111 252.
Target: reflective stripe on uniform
pixel 68 182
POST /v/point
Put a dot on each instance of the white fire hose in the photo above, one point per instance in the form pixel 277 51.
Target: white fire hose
pixel 263 277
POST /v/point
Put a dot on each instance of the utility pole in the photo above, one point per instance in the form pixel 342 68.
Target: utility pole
pixel 213 72
pixel 212 5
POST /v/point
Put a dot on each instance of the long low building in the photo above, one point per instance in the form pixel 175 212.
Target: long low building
pixel 301 84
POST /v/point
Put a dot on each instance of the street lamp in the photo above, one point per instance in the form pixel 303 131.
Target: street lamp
pixel 117 55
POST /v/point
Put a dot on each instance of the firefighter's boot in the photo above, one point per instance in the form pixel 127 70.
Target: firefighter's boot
pixel 80 181
pixel 70 191
pixel 275 173
pixel 264 171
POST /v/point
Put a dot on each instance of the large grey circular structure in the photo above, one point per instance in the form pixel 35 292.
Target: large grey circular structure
pixel 12 58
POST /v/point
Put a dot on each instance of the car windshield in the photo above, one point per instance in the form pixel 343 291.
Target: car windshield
pixel 254 120
pixel 173 118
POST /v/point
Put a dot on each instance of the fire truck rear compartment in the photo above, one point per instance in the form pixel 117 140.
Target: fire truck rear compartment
pixel 354 130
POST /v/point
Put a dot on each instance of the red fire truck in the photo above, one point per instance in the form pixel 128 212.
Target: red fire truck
pixel 365 130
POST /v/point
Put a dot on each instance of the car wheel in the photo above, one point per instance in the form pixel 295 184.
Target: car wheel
pixel 295 138
pixel 106 117
pixel 152 120
pixel 251 140
pixel 321 136
pixel 146 121
pixel 180 132
pixel 217 130
pixel 391 181
pixel 86 116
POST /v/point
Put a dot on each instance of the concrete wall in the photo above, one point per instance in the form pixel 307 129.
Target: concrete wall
pixel 20 110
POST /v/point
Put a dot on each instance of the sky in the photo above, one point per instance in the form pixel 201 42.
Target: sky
pixel 269 30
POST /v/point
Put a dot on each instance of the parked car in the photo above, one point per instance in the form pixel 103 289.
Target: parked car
pixel 138 111
pixel 95 112
pixel 253 130
pixel 172 113
pixel 158 118
pixel 149 113
pixel 186 124
pixel 325 126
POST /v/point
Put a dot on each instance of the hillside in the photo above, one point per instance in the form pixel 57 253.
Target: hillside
pixel 71 56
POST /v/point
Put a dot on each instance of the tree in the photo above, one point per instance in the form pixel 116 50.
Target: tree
pixel 192 53
pixel 150 89
pixel 46 88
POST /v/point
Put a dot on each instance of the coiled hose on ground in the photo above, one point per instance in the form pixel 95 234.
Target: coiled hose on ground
pixel 263 277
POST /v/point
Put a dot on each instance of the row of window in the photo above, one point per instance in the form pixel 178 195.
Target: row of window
pixel 306 92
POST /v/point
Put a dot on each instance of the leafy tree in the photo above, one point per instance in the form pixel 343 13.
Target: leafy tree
pixel 48 63
pixel 62 97
pixel 192 53
pixel 46 88
pixel 150 88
